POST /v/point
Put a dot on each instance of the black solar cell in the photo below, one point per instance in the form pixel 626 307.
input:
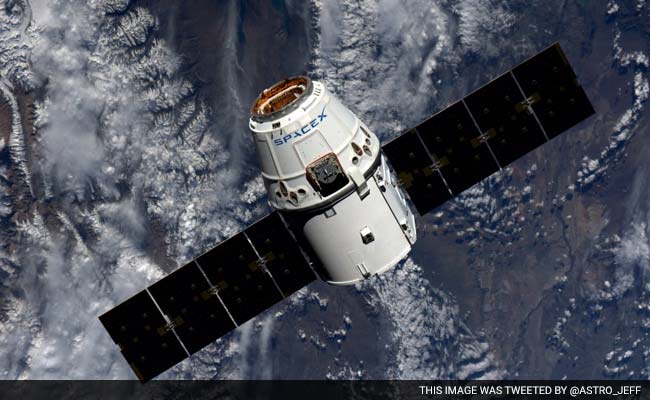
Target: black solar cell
pixel 452 139
pixel 558 99
pixel 245 288
pixel 281 254
pixel 413 166
pixel 512 131
pixel 198 315
pixel 138 328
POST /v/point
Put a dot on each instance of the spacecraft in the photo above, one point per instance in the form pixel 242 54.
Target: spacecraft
pixel 340 211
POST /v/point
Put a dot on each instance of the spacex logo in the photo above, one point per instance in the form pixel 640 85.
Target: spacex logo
pixel 302 131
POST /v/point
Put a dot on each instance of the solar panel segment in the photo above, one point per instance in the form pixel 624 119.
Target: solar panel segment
pixel 139 329
pixel 281 254
pixel 512 131
pixel 414 168
pixel 197 313
pixel 451 138
pixel 558 99
pixel 244 286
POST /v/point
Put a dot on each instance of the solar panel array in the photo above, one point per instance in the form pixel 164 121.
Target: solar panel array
pixel 488 129
pixel 207 298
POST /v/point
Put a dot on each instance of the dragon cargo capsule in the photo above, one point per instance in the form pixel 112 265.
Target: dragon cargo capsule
pixel 338 210
pixel 324 171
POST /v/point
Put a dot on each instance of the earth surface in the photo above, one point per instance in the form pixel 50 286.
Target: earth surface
pixel 124 152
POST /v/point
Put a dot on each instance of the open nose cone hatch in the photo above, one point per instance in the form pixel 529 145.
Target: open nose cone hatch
pixel 281 98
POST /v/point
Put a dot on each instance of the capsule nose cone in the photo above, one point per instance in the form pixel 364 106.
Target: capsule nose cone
pixel 281 98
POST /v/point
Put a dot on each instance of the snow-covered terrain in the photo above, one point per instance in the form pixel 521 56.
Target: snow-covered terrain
pixel 116 167
pixel 127 162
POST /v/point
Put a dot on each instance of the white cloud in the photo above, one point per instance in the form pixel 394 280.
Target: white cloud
pixel 626 124
pixel 483 26
pixel 632 257
pixel 429 340
pixel 369 56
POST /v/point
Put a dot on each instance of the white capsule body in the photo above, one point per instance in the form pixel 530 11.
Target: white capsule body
pixel 324 168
